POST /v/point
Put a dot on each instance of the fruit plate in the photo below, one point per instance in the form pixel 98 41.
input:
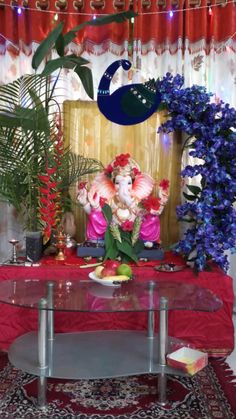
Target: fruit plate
pixel 108 281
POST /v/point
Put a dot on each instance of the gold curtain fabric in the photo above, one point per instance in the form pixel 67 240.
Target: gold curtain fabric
pixel 90 134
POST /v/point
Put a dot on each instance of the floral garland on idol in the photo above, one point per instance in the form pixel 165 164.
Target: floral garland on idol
pixel 211 130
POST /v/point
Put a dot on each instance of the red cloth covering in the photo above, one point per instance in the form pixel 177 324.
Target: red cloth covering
pixel 213 332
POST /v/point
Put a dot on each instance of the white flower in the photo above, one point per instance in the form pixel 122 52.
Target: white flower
pixel 149 245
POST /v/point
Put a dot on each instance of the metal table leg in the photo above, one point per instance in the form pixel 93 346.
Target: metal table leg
pixel 151 327
pixel 50 318
pixel 50 313
pixel 42 352
pixel 45 342
pixel 151 313
pixel 163 340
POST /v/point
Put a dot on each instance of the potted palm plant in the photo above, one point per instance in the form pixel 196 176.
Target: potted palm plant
pixel 36 169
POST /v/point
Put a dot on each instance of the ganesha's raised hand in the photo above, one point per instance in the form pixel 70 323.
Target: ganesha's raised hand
pixel 94 199
pixel 156 212
pixel 164 196
pixel 82 196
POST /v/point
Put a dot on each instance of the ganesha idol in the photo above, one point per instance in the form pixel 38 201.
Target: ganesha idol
pixel 127 191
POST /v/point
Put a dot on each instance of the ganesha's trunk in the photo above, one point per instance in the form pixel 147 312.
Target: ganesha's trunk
pixel 124 196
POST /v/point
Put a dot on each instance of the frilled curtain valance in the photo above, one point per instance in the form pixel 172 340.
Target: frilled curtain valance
pixel 165 22
pixel 29 21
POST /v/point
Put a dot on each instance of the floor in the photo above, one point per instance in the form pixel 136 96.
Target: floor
pixel 231 360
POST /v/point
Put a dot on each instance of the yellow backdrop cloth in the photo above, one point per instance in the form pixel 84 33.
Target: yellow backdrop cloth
pixel 90 134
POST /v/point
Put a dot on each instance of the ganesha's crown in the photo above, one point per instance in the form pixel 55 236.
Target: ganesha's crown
pixel 122 165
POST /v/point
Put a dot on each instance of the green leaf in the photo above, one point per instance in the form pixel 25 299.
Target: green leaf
pixel 74 167
pixel 127 249
pixel 194 189
pixel 41 118
pixel 189 197
pixel 109 239
pixel 9 120
pixel 30 119
pixel 115 17
pixel 69 61
pixel 138 247
pixel 124 257
pixel 125 235
pixel 27 119
pixel 107 212
pixel 110 246
pixel 45 46
pixel 112 253
pixel 86 78
pixel 60 45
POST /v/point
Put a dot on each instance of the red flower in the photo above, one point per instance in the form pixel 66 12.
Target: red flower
pixel 136 171
pixel 51 170
pixel 43 200
pixel 44 191
pixel 127 225
pixel 122 160
pixel 44 178
pixel 52 184
pixel 164 184
pixel 53 195
pixel 108 170
pixel 48 201
pixel 102 201
pixel 82 185
pixel 151 203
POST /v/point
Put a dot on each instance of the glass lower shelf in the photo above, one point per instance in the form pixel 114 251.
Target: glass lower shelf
pixel 87 355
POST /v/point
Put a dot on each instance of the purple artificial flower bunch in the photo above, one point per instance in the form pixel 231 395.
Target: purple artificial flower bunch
pixel 211 130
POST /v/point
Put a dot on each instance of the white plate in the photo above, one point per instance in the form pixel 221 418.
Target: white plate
pixel 98 290
pixel 108 282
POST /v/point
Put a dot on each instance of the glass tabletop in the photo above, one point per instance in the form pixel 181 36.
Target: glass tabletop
pixel 88 296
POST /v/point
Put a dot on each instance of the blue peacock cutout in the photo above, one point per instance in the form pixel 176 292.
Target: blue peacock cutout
pixel 130 104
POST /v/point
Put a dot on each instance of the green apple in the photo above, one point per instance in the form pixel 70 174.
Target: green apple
pixel 124 269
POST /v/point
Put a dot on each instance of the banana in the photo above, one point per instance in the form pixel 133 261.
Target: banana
pixel 117 278
pixel 90 265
